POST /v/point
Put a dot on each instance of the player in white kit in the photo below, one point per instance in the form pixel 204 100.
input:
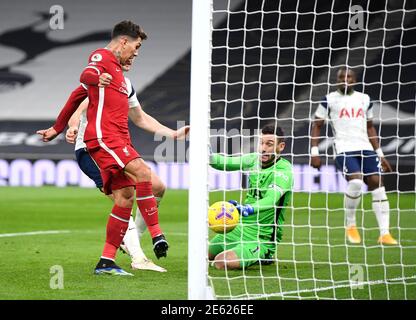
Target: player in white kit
pixel 358 152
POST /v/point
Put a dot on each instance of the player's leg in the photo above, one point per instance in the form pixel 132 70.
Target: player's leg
pixel 147 204
pixel 351 167
pixel 243 255
pixel 131 242
pixel 89 167
pixel 380 203
pixel 220 250
pixel 116 227
pixel 159 189
pixel 135 231
pixel 216 246
pixel 227 260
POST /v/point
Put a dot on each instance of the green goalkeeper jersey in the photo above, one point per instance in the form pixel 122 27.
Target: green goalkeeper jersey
pixel 269 192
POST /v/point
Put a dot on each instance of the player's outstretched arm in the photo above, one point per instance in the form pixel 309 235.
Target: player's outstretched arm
pixel 47 134
pixel 146 122
pixel 73 123
pixel 315 133
pixel 74 100
pixel 181 133
pixel 373 137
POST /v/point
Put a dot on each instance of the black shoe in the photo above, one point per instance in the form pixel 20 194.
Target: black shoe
pixel 160 246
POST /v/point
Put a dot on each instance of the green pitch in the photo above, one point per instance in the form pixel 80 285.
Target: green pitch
pixel 323 261
pixel 25 261
pixel 80 215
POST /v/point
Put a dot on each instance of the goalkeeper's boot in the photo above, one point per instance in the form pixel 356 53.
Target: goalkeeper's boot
pixel 146 264
pixel 109 267
pixel 387 239
pixel 353 235
pixel 160 246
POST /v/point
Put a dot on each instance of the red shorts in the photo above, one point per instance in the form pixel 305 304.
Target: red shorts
pixel 111 156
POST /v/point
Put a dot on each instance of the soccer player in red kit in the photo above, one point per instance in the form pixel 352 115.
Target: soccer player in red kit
pixel 108 141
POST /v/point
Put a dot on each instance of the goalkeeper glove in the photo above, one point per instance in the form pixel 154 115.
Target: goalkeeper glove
pixel 245 210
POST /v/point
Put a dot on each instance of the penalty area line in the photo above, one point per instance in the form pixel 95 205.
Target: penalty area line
pixel 32 233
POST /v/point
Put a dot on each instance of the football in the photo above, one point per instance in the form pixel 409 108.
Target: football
pixel 222 217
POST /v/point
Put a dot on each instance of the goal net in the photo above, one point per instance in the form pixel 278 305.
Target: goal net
pixel 256 62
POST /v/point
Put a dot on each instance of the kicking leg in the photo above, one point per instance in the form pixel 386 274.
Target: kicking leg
pixel 116 227
pixel 147 204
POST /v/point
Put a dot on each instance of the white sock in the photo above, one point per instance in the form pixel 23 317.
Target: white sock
pixel 140 223
pixel 381 208
pixel 352 199
pixel 132 242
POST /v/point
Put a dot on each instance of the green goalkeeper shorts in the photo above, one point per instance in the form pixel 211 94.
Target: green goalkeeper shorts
pixel 249 251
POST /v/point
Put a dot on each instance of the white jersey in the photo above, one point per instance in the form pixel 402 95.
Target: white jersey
pixel 133 102
pixel 348 115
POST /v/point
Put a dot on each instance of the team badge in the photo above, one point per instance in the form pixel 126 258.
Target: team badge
pixel 96 57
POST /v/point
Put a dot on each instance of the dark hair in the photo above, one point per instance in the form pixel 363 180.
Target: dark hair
pixel 273 129
pixel 128 28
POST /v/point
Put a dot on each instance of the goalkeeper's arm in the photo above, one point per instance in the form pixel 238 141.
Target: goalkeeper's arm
pixel 270 200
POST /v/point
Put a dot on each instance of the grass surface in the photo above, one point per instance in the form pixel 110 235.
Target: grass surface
pixel 25 261
pixel 313 250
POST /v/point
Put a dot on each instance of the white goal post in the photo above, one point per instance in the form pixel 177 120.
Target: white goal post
pixel 198 151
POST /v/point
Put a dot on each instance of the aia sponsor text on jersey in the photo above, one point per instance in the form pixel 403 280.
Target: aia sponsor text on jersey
pixel 351 113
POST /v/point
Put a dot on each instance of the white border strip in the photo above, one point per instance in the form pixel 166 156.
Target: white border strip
pixel 198 151
pixel 145 198
pixel 100 107
pixel 118 218
pixel 95 68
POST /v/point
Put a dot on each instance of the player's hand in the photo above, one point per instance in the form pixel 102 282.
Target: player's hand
pixel 47 134
pixel 245 210
pixel 385 164
pixel 316 162
pixel 104 79
pixel 181 133
pixel 71 134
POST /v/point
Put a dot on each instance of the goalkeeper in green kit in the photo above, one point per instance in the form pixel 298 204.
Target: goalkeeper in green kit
pixel 255 239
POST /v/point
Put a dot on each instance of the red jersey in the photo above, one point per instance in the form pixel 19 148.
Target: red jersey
pixel 108 107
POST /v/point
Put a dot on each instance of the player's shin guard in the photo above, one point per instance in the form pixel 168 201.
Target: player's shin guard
pixel 147 205
pixel 116 228
pixel 381 208
pixel 352 199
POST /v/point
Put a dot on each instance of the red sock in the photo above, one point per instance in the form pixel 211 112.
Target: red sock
pixel 117 224
pixel 148 207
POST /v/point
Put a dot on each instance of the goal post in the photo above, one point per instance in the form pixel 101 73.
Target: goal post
pixel 255 62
